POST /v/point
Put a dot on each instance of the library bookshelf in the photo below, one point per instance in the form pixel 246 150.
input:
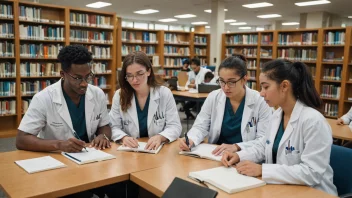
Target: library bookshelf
pixel 33 39
pixel 326 52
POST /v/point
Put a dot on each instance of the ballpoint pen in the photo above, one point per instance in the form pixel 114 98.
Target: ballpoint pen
pixel 187 141
pixel 74 132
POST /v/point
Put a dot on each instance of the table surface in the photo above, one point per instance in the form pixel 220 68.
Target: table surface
pixel 190 95
pixel 340 131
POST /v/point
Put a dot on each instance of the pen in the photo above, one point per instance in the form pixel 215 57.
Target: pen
pixel 72 157
pixel 74 132
pixel 106 137
pixel 187 141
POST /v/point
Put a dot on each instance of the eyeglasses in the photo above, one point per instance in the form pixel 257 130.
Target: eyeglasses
pixel 230 84
pixel 79 80
pixel 138 76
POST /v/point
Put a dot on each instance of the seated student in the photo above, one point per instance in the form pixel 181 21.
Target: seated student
pixel 143 108
pixel 296 148
pixel 210 79
pixel 185 66
pixel 346 119
pixel 235 116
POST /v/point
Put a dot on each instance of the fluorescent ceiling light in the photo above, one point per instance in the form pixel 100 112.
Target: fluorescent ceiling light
pixel 199 23
pixel 229 20
pixel 209 10
pixel 147 11
pixel 350 17
pixel 259 29
pixel 208 27
pixel 239 23
pixel 228 31
pixel 290 23
pixel 98 4
pixel 244 28
pixel 310 3
pixel 258 5
pixel 183 16
pixel 167 20
pixel 266 16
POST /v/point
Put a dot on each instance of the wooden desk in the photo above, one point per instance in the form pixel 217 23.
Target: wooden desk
pixel 186 94
pixel 158 179
pixel 342 132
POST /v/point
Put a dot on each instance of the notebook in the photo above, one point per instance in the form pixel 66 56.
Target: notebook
pixel 40 164
pixel 85 157
pixel 202 151
pixel 226 179
pixel 185 189
pixel 140 148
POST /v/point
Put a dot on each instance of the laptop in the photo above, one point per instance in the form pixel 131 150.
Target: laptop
pixel 205 88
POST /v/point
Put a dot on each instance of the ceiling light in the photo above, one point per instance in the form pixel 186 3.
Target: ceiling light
pixel 208 27
pixel 290 23
pixel 266 16
pixel 209 11
pixel 228 31
pixel 167 20
pixel 350 17
pixel 239 23
pixel 229 20
pixel 310 3
pixel 199 23
pixel 98 4
pixel 257 5
pixel 259 29
pixel 183 16
pixel 147 11
pixel 245 28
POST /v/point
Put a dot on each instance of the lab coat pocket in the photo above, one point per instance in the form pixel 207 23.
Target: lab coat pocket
pixel 159 125
pixel 251 133
pixel 293 158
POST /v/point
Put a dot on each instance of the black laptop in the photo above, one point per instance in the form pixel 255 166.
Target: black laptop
pixel 207 88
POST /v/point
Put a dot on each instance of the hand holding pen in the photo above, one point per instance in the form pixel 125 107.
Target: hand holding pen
pixel 130 142
pixel 76 135
pixel 185 143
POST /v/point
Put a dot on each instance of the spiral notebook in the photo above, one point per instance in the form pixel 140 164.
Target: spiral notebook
pixel 202 151
pixel 85 157
pixel 140 148
pixel 40 164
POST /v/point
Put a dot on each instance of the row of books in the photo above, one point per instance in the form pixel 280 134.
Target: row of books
pixel 200 51
pixel 312 70
pixel 100 67
pixel 147 37
pixel 99 81
pixel 91 20
pixel 251 75
pixel 330 57
pixel 7 70
pixel 330 91
pixel 248 52
pixel 25 105
pixel 170 72
pixel 252 85
pixel 42 32
pixel 174 38
pixel 34 14
pixel 200 39
pixel 203 61
pixel 331 109
pixel 7 88
pixel 32 69
pixel 307 38
pixel 33 87
pixel 297 54
pixel 99 51
pixel 334 38
pixel 40 50
pixel 7 107
pixel 332 73
pixel 7 49
pixel 173 62
pixel 172 50
pixel 267 39
pixel 266 53
pixel 91 36
pixel 251 64
pixel 126 49
pixel 6 11
pixel 242 39
pixel 6 30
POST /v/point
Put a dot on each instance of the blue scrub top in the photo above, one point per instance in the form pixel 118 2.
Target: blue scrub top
pixel 143 117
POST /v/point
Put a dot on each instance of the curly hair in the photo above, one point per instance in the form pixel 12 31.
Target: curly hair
pixel 73 54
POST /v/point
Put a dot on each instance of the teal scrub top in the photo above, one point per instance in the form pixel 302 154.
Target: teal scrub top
pixel 78 116
pixel 231 124
pixel 277 140
pixel 143 117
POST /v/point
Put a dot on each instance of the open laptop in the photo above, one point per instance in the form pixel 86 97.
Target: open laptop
pixel 206 88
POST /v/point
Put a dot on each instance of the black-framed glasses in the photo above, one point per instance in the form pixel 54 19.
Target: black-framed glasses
pixel 79 80
pixel 230 84
pixel 138 76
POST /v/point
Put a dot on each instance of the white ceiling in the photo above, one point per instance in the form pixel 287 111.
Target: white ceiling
pixel 170 8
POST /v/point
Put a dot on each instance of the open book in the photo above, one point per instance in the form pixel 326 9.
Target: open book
pixel 85 157
pixel 39 164
pixel 202 151
pixel 226 179
pixel 140 148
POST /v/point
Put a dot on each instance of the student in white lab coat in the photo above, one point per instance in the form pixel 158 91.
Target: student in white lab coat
pixel 235 116
pixel 297 146
pixel 143 108
pixel 346 119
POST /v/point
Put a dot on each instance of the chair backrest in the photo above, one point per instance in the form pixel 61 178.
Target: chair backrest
pixel 182 77
pixel 341 163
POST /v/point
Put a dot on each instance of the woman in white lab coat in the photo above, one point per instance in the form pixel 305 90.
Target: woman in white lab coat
pixel 235 116
pixel 143 108
pixel 297 146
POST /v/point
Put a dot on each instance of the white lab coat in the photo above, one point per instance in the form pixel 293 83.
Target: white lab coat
pixel 163 117
pixel 199 78
pixel 347 118
pixel 209 120
pixel 308 164
pixel 49 118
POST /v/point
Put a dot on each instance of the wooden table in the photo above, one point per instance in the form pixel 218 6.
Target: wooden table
pixel 342 132
pixel 157 180
pixel 187 94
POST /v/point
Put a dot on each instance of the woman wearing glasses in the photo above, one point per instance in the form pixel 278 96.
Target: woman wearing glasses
pixel 233 117
pixel 143 108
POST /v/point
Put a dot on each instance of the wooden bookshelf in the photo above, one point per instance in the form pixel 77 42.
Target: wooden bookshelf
pixel 201 47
